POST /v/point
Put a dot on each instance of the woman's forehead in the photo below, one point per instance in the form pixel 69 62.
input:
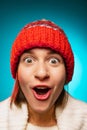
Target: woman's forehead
pixel 42 52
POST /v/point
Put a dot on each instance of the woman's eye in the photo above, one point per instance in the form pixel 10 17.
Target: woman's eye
pixel 54 60
pixel 28 60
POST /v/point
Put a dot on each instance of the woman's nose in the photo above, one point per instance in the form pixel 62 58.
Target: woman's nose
pixel 41 72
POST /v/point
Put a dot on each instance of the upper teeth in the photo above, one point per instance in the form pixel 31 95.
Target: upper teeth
pixel 41 88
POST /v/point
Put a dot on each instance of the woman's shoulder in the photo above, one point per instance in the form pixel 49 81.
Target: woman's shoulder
pixel 11 115
pixel 4 106
pixel 76 107
pixel 73 102
pixel 5 102
pixel 74 115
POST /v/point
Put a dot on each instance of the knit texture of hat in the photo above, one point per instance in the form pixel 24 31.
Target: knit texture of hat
pixel 44 34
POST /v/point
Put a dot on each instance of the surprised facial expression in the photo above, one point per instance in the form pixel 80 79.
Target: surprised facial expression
pixel 41 75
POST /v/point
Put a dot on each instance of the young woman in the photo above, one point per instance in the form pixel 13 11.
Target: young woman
pixel 42 62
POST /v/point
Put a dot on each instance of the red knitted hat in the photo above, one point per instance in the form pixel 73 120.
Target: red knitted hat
pixel 42 33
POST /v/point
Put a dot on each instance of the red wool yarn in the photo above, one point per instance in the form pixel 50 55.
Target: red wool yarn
pixel 44 34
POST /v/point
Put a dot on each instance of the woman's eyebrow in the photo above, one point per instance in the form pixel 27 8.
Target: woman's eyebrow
pixel 28 51
pixel 53 52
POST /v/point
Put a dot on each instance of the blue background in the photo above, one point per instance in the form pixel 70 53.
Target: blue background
pixel 69 14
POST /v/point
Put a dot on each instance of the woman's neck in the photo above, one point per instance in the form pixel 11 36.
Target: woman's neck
pixel 42 119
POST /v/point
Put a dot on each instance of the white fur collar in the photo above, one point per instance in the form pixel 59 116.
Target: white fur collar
pixel 74 116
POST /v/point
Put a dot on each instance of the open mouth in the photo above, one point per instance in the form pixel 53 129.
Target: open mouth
pixel 41 90
pixel 41 93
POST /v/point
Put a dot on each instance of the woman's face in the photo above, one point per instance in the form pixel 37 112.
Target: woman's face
pixel 41 75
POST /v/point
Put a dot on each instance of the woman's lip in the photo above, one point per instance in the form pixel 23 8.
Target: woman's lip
pixel 41 86
pixel 43 96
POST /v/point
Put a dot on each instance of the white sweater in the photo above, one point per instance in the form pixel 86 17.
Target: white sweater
pixel 73 117
pixel 33 127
